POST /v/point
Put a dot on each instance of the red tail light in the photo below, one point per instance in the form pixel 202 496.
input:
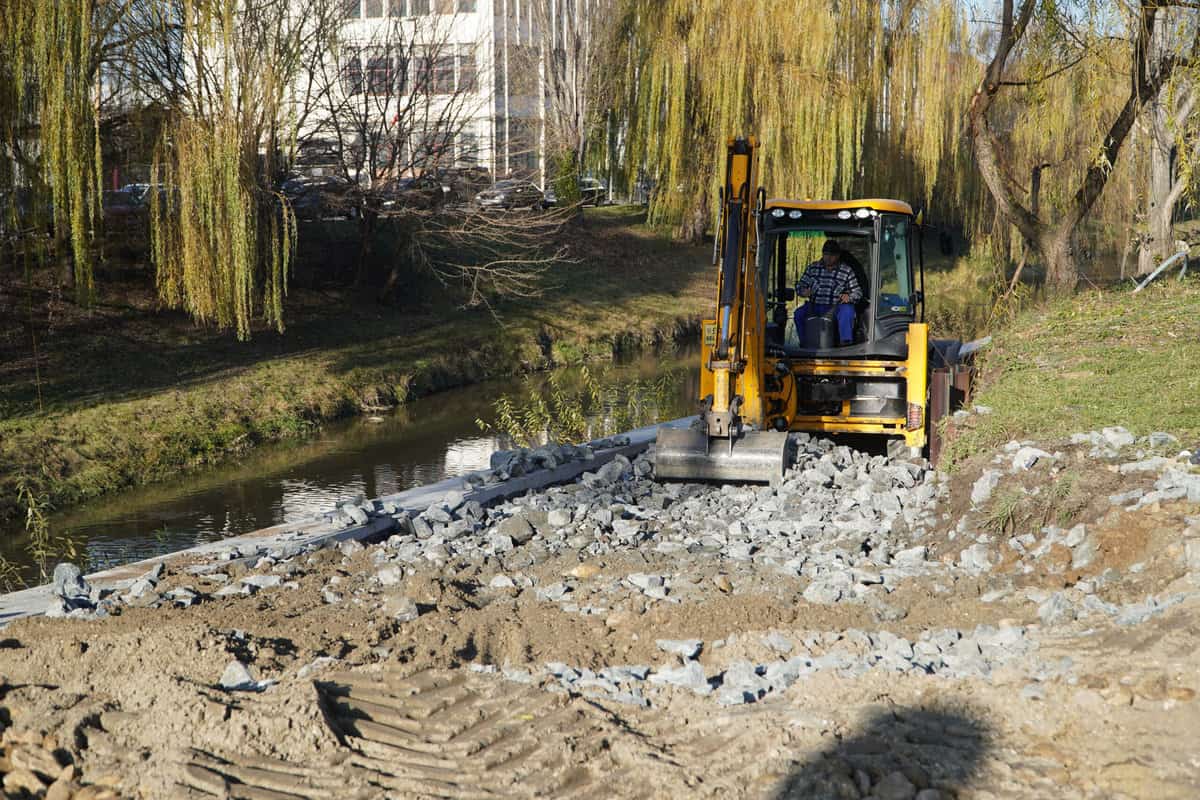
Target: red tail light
pixel 916 416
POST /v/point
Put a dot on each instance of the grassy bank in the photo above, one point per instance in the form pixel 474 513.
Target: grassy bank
pixel 1096 359
pixel 123 394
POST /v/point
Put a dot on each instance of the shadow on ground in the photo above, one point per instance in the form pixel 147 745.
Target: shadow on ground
pixel 897 753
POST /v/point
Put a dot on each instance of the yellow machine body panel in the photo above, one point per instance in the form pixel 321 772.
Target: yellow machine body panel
pixel 876 204
pixel 708 340
pixel 913 370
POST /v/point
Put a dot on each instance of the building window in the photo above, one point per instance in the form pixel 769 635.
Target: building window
pixel 467 72
pixel 352 75
pixel 468 149
pixel 400 77
pixel 418 8
pixel 422 68
pixel 443 75
pixel 466 6
pixel 380 77
pixel 523 67
pixel 445 6
pixel 395 8
pixel 352 8
pixel 373 8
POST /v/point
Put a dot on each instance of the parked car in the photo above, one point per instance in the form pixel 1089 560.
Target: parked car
pixel 592 192
pixel 511 194
pixel 140 192
pixel 121 210
pixel 422 191
pixel 463 184
pixel 319 197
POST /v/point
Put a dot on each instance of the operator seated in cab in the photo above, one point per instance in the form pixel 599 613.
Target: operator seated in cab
pixel 828 283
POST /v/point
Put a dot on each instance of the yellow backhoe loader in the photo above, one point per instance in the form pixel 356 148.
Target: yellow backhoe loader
pixel 760 378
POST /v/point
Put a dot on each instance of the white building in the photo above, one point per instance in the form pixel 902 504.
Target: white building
pixel 463 74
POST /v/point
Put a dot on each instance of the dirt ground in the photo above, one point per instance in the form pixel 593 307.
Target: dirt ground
pixel 455 703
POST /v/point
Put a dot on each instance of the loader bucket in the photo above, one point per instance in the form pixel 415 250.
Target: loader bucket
pixel 688 454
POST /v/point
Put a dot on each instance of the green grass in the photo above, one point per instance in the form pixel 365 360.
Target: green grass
pixel 130 395
pixel 1092 360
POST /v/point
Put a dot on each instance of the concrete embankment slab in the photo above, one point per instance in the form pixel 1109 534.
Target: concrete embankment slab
pixel 320 531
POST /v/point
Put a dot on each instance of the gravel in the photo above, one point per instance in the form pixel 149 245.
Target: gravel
pixel 849 525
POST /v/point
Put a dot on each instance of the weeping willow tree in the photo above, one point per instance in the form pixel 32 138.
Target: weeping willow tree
pixel 223 73
pixel 222 238
pixel 846 97
pixel 48 123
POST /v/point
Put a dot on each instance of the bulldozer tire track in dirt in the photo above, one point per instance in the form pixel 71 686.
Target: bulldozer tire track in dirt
pixel 437 733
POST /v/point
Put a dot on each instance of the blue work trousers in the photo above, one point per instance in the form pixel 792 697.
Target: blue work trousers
pixel 844 313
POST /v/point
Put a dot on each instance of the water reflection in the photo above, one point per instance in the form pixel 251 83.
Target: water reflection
pixel 425 442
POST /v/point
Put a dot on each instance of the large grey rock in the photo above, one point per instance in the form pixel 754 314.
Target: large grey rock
pixel 741 683
pixel 69 583
pixel 357 515
pixel 910 557
pixel 390 575
pixel 263 581
pixel 1162 439
pixel 830 588
pixel 1123 498
pixel 982 490
pixel 501 582
pixel 237 677
pixel 684 648
pixel 1056 610
pixel 976 559
pixel 1085 553
pixel 1118 437
pixel 1152 464
pixel 644 581
pixel 139 588
pixel 401 608
pixel 238 589
pixel 553 592
pixel 626 673
pixel 437 513
pixel 517 527
pixel 559 518
pixel 689 676
pixel 1028 457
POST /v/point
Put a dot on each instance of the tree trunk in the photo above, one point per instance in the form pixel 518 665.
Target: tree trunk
pixel 695 219
pixel 366 233
pixel 1157 243
pixel 1057 248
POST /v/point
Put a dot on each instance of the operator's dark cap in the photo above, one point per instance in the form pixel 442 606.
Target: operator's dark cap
pixel 830 246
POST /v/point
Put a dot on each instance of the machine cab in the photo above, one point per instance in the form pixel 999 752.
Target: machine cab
pixel 878 240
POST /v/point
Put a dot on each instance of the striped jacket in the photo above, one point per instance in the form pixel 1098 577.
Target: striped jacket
pixel 828 284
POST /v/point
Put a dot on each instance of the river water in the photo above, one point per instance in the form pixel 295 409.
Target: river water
pixel 427 440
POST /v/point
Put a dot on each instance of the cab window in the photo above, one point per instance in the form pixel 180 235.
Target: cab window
pixel 895 270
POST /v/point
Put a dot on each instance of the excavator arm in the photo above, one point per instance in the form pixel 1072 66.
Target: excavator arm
pixel 728 442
